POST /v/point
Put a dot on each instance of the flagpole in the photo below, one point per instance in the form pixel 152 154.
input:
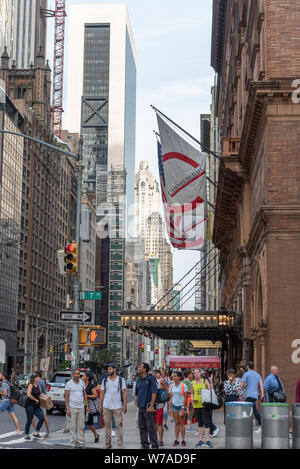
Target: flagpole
pixel 187 133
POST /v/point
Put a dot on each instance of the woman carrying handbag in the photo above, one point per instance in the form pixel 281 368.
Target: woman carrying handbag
pixel 232 389
pixel 32 407
pixel 93 402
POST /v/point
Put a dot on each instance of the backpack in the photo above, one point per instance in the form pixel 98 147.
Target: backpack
pixel 182 387
pixel 15 394
pixel 162 396
pixel 120 386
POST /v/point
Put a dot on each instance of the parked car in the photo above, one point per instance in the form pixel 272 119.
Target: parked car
pixel 22 381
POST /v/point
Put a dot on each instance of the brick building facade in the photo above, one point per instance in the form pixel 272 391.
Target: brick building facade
pixel 256 55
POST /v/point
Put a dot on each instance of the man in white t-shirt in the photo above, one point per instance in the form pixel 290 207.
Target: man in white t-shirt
pixel 75 397
pixel 113 402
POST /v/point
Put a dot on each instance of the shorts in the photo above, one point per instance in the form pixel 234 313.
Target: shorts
pixel 6 405
pixel 89 419
pixel 159 416
pixel 178 408
pixel 202 417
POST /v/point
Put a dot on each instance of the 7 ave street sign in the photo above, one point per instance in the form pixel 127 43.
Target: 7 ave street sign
pixel 79 316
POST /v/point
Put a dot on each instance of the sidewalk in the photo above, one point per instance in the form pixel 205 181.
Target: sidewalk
pixel 132 437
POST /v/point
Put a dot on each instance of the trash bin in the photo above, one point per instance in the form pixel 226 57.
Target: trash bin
pixel 239 425
pixel 296 425
pixel 275 426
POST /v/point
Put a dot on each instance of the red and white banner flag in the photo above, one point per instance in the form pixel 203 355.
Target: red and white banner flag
pixel 182 170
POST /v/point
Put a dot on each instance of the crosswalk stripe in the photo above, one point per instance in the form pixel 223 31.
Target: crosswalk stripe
pixel 13 442
pixel 6 435
pixel 19 440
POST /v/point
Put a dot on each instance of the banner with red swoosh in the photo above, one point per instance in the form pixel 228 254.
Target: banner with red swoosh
pixel 182 169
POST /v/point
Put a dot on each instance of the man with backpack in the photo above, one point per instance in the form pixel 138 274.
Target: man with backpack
pixel 6 403
pixel 145 397
pixel 113 402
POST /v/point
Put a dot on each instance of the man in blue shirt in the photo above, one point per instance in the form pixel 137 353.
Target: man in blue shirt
pixel 145 396
pixel 252 380
pixel 273 383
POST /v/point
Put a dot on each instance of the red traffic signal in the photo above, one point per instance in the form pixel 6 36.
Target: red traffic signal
pixel 71 258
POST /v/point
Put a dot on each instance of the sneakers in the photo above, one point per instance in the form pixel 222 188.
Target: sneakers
pixel 258 430
pixel 166 426
pixel 183 444
pixel 107 446
pixel 208 444
pixel 190 430
pixel 161 443
pixel 176 443
pixel 290 435
pixel 27 437
pixel 199 444
pixel 215 432
pixel 97 439
pixel 37 436
pixel 113 433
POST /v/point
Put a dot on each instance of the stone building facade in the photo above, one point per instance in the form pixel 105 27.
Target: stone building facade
pixel 48 213
pixel 255 52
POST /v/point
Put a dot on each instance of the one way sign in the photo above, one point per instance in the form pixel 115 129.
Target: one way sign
pixel 78 316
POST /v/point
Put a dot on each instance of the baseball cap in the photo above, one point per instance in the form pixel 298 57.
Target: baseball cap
pixel 112 365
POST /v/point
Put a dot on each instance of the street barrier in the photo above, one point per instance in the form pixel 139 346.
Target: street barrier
pixel 275 426
pixel 296 425
pixel 239 425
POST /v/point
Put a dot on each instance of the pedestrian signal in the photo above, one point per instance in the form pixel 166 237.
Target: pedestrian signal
pixel 91 335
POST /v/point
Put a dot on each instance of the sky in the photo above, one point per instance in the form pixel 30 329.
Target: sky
pixel 172 40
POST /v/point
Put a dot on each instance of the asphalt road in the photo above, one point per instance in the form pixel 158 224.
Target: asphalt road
pixel 9 439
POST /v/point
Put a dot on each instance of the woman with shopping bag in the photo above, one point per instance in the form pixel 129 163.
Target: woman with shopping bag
pixel 200 412
pixel 93 402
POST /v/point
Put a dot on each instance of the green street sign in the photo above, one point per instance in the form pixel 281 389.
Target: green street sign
pixel 91 295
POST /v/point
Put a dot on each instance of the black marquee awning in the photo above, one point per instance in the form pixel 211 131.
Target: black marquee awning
pixel 192 325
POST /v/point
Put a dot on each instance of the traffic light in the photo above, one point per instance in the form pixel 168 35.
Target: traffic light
pixel 83 332
pixel 91 335
pixel 71 258
pixel 97 336
pixel 156 350
pixel 141 346
pixel 66 348
pixel 51 348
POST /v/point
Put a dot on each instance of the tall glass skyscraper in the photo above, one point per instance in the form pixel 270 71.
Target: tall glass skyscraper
pixel 101 102
pixel 22 30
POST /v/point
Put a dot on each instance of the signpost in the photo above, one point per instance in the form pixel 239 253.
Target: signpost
pixel 45 362
pixel 91 295
pixel 78 316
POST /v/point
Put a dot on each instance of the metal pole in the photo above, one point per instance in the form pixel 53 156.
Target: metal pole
pixel 32 348
pixel 77 284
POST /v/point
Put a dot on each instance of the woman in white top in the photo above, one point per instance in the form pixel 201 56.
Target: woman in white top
pixel 178 406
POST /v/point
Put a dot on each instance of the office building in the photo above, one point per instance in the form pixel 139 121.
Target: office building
pixel 101 97
pixel 22 30
pixel 147 198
